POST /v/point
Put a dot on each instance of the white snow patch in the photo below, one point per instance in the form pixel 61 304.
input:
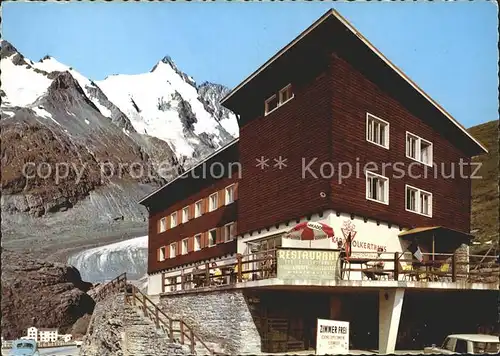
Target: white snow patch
pixel 147 91
pixel 22 86
pixel 53 65
pixel 135 243
pixel 40 111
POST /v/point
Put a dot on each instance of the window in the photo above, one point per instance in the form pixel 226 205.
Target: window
pixel 213 202
pixel 230 194
pixel 285 94
pixel 173 220
pixel 185 214
pixel 418 201
pixel 461 346
pixel 377 188
pixel 212 237
pixel 197 242
pixel 172 283
pixel 173 249
pixel 185 246
pixel 162 253
pixel 377 131
pixel 229 232
pixel 163 224
pixel 448 344
pixel 197 208
pixel 418 149
pixel 271 104
pixel 275 101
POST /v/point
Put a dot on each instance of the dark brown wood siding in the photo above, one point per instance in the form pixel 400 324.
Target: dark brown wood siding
pixel 209 220
pixel 354 96
pixel 298 129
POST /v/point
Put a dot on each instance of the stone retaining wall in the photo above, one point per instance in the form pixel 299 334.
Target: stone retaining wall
pixel 220 317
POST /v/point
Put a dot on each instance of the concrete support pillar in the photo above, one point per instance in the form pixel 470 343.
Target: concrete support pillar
pixel 390 306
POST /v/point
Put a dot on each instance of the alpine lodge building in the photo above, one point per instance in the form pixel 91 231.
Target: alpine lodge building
pixel 336 202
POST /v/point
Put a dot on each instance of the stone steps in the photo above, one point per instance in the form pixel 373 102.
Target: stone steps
pixel 138 319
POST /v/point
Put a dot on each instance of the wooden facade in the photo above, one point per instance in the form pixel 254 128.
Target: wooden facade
pixel 336 79
pixel 186 192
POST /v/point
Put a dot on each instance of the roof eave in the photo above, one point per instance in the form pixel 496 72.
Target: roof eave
pixel 213 154
pixel 481 149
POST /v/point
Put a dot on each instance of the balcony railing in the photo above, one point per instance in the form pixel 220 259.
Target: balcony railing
pixel 389 266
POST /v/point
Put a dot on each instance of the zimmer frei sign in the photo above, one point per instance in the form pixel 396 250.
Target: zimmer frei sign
pixel 332 337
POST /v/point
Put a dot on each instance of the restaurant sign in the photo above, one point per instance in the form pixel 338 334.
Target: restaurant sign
pixel 332 337
pixel 308 264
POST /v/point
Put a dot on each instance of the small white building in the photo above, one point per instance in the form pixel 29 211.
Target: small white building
pixel 47 335
pixel 32 333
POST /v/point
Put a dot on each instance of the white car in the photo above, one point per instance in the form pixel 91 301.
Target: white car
pixel 78 343
pixel 467 344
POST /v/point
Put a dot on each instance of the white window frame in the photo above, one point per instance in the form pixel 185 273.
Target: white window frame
pixel 185 241
pixel 266 105
pixel 164 257
pixel 387 130
pixel 185 215
pixel 226 193
pixel 278 97
pixel 199 213
pixel 386 191
pixel 418 207
pixel 195 247
pixel 215 239
pixel 228 226
pixel 281 91
pixel 418 149
pixel 173 247
pixel 210 207
pixel 173 221
pixel 163 225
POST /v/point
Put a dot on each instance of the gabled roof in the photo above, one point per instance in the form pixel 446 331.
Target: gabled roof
pixel 333 13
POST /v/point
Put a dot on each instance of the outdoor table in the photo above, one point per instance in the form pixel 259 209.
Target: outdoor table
pixel 429 267
pixel 358 261
pixel 375 273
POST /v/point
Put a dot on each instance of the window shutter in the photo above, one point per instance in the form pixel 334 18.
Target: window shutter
pixel 191 211
pixel 191 244
pixel 222 197
pixel 219 235
pixel 167 251
pixel 158 254
pixel 206 201
pixel 178 250
pixel 235 229
pixel 235 191
pixel 203 239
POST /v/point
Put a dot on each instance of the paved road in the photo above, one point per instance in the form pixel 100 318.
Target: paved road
pixel 59 351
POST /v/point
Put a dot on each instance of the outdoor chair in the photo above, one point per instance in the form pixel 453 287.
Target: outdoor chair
pixel 409 273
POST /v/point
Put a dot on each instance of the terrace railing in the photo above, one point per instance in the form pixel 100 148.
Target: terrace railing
pixel 395 266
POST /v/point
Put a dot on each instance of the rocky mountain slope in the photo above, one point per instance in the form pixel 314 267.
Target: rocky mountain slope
pixel 42 294
pixel 77 155
pixel 485 194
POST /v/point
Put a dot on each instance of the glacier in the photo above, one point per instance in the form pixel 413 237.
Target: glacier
pixel 102 264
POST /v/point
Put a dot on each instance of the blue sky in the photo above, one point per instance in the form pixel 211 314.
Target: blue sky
pixel 449 49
